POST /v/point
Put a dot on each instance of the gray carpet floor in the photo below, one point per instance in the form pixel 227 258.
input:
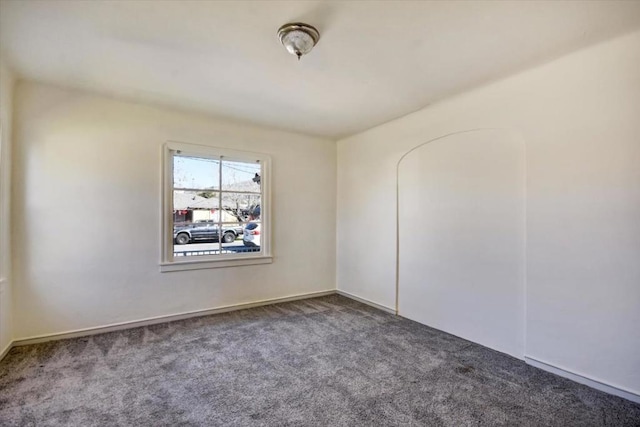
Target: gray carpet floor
pixel 326 361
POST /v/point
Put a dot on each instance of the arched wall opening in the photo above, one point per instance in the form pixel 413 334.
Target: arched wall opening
pixel 461 237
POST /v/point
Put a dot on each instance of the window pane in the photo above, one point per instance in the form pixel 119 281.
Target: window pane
pixel 232 237
pixel 195 173
pixel 241 176
pixel 190 206
pixel 243 206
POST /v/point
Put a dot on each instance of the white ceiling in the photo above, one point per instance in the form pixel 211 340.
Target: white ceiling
pixel 375 60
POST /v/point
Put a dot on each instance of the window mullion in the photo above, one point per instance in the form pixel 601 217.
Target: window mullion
pixel 220 206
pixel 195 190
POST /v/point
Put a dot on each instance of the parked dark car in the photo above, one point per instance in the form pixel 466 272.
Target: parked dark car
pixel 204 231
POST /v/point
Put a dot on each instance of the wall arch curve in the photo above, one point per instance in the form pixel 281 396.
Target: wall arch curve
pixel 461 236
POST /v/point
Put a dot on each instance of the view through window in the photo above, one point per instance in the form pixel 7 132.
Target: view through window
pixel 217 204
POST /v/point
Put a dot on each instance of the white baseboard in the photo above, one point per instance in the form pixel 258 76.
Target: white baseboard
pixel 3 293
pixel 366 301
pixel 162 319
pixel 583 379
pixel 180 316
pixel 6 350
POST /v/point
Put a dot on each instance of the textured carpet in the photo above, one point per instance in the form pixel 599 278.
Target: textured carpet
pixel 325 361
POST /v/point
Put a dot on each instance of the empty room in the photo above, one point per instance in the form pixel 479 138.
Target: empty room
pixel 319 213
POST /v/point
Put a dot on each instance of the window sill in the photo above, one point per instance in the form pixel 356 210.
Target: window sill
pixel 166 267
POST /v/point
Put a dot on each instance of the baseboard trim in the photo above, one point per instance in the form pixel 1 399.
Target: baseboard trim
pixel 366 301
pixel 163 319
pixel 6 350
pixel 583 379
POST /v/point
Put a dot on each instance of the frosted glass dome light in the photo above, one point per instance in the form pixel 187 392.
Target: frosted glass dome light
pixel 298 38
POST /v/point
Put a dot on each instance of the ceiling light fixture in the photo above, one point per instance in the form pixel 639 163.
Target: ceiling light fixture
pixel 298 38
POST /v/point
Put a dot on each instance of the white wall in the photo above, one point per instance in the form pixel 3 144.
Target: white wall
pixel 76 152
pixel 6 300
pixel 461 237
pixel 580 120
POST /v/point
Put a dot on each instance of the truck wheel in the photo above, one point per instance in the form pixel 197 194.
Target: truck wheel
pixel 182 239
pixel 228 237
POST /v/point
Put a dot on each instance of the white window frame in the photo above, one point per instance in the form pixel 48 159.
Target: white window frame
pixel 170 263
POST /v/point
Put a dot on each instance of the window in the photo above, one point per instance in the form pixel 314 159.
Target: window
pixel 215 210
